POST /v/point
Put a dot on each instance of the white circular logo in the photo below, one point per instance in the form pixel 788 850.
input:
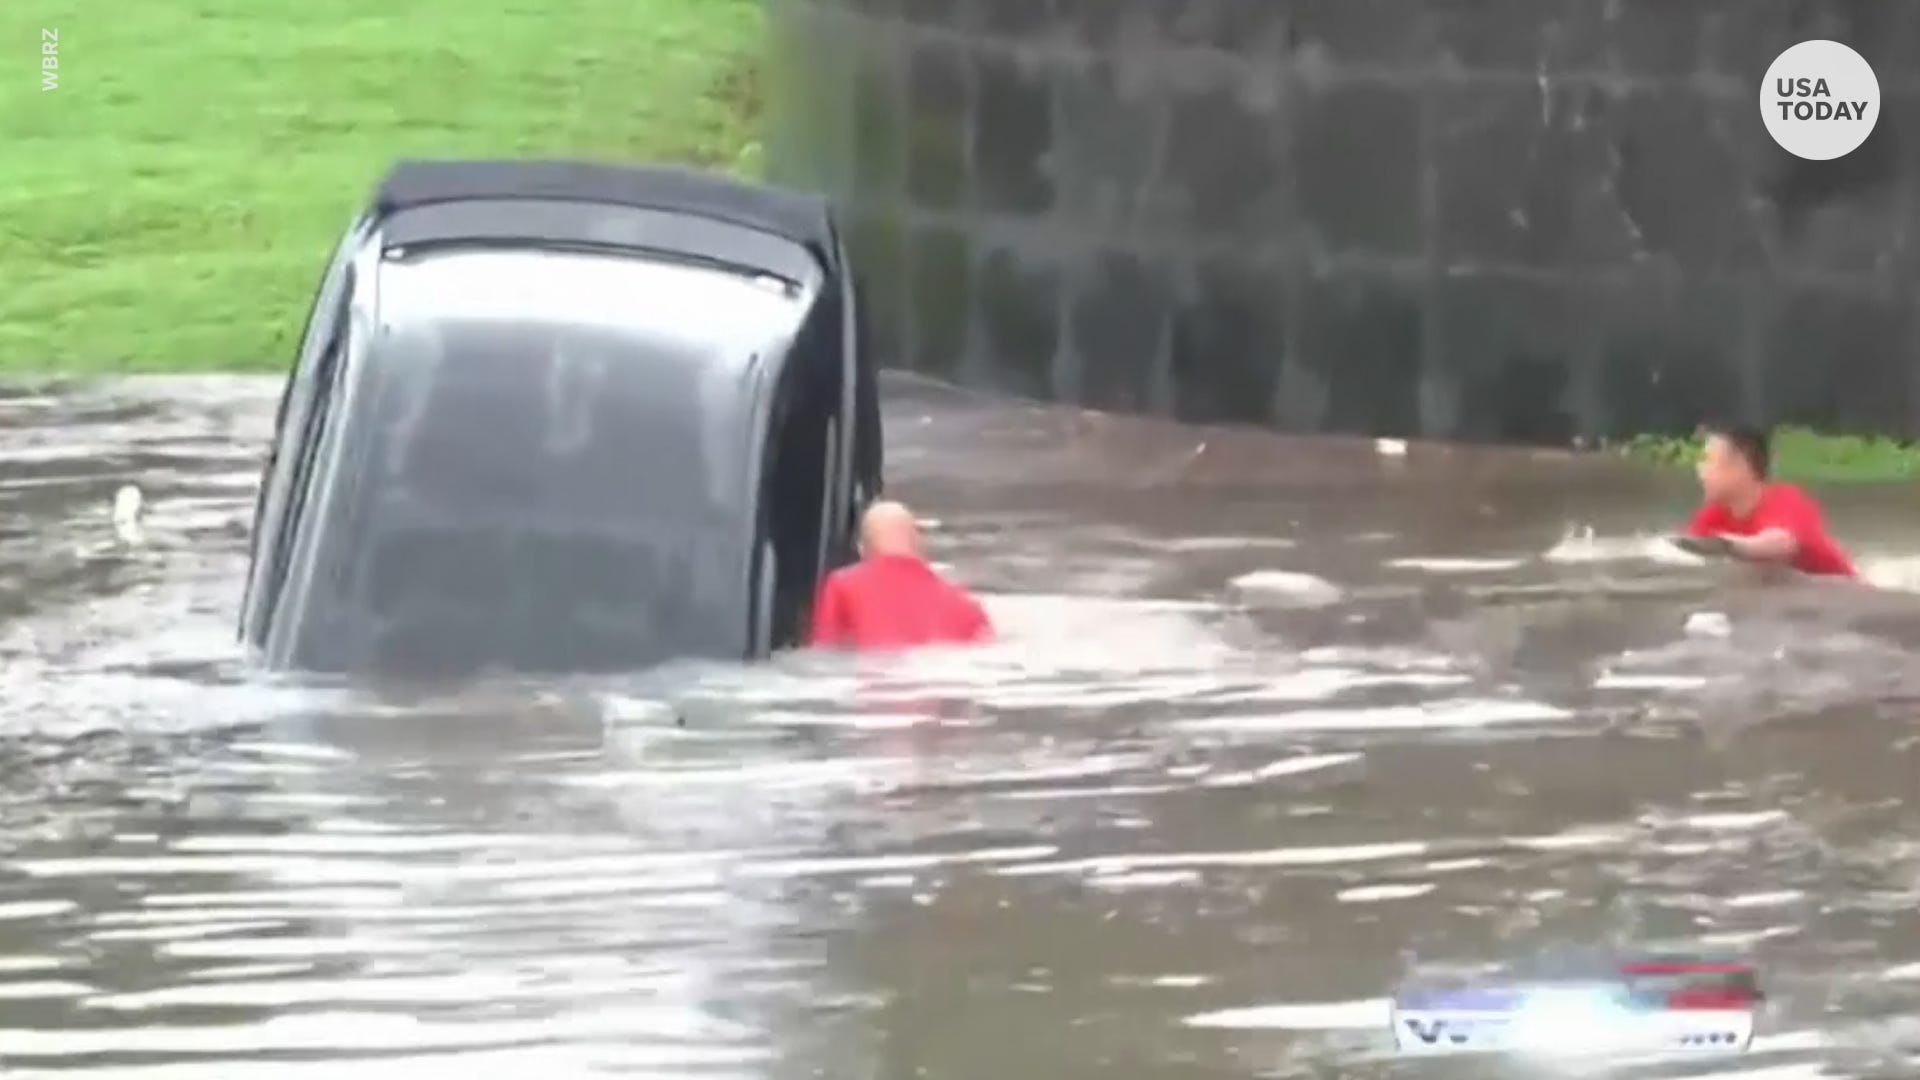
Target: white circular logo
pixel 1820 100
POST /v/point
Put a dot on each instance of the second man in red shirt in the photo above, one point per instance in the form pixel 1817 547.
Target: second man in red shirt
pixel 1762 520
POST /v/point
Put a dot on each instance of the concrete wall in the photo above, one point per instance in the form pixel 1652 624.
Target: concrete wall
pixel 1524 220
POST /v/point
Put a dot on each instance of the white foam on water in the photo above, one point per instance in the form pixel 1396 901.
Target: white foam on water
pixel 45 990
pixel 1043 607
pixel 881 864
pixel 650 891
pixel 1316 1016
pixel 1284 767
pixel 34 909
pixel 289 897
pixel 1144 879
pixel 1285 588
pixel 1202 544
pixel 1764 899
pixel 1370 894
pixel 1897 572
pixel 1114 791
pixel 179 931
pixel 399 911
pixel 1722 822
pixel 1295 856
pixel 889 881
pixel 1451 866
pixel 1708 624
pixel 362 1031
pixel 1795 1071
pixel 264 970
pixel 365 843
pixel 299 870
pixel 1438 565
pixel 472 987
pixel 302 947
pixel 1582 546
pixel 300 751
pixel 1446 714
pixel 1097 766
pixel 1043 693
pixel 855 773
pixel 579 1058
pixel 1617 681
pixel 1398 660
pixel 1572 839
pixel 1308 684
pixel 23 965
pixel 1746 939
pixel 868 719
pixel 1318 684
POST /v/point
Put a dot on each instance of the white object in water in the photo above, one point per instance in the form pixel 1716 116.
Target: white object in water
pixel 1289 589
pixel 1708 624
pixel 127 505
pixel 1390 447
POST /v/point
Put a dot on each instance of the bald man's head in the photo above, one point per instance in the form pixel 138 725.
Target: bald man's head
pixel 888 528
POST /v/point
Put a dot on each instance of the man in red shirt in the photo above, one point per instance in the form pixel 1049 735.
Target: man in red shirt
pixel 1761 520
pixel 891 598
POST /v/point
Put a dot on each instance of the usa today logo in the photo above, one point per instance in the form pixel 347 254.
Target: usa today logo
pixel 1820 100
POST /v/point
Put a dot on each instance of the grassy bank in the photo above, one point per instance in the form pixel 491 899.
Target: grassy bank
pixel 169 206
pixel 1800 455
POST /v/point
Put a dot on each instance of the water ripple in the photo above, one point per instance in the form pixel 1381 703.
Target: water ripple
pixel 1254 746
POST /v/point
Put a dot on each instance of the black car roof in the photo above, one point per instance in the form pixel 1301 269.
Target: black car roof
pixel 802 218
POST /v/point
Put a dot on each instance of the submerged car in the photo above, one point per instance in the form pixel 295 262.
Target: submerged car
pixel 564 417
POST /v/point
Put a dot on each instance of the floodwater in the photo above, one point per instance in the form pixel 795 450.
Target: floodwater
pixel 1275 723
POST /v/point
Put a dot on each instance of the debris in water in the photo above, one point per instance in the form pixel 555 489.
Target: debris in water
pixel 127 506
pixel 1288 588
pixel 1708 624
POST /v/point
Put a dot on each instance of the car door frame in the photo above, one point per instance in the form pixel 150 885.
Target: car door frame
pixel 272 527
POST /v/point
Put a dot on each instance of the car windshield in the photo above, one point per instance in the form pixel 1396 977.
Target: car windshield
pixel 543 463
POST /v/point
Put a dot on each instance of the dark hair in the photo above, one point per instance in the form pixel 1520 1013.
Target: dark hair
pixel 1753 444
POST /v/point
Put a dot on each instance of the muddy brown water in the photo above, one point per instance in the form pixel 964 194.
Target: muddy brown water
pixel 1275 723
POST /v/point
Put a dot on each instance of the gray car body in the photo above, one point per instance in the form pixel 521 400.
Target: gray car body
pixel 519 545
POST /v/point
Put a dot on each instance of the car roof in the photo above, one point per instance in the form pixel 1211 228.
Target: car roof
pixel 802 218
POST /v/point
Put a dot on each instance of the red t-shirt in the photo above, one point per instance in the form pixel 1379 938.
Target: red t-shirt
pixel 1782 506
pixel 894 602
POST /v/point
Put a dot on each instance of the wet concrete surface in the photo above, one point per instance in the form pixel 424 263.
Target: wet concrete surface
pixel 1274 723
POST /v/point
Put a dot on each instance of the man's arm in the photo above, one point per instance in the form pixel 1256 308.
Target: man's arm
pixel 1771 545
pixel 1792 520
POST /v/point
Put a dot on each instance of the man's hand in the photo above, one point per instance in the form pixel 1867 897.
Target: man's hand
pixel 1768 545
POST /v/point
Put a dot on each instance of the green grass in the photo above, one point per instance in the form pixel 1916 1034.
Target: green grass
pixel 170 205
pixel 1800 454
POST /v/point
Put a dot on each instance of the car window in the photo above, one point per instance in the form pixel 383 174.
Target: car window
pixel 305 449
pixel 297 403
pixel 545 464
